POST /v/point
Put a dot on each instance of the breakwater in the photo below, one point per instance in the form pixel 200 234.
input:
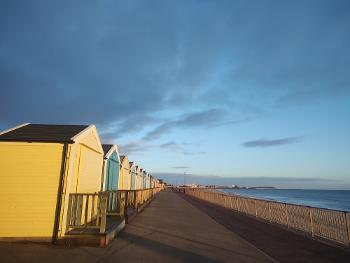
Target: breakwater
pixel 318 222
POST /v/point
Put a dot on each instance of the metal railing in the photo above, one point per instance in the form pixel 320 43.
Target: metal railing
pixel 90 210
pixel 318 222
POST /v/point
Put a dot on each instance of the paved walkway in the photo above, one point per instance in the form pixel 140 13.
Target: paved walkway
pixel 169 230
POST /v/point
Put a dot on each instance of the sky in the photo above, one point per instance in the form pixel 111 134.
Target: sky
pixel 229 92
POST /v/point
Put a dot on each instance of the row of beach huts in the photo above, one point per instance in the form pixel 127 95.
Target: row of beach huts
pixel 42 165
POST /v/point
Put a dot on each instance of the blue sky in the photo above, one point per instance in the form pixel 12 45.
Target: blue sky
pixel 238 92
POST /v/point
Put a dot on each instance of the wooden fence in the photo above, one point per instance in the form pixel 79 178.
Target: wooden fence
pixel 90 210
pixel 325 223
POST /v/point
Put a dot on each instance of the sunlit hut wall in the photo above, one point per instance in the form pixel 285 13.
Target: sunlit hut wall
pixel 144 179
pixel 111 165
pixel 132 172
pixel 151 181
pixel 124 181
pixel 40 165
pixel 138 177
pixel 148 180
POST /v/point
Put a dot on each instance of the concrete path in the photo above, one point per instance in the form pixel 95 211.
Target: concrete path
pixel 169 230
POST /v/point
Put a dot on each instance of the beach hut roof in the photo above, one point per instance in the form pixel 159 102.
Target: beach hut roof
pixel 43 133
pixel 108 149
pixel 131 164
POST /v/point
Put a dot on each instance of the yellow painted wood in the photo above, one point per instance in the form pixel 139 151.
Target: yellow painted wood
pixel 90 170
pixel 29 177
pixel 124 180
pixel 84 170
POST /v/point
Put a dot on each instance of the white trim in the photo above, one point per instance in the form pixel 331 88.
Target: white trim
pixel 111 150
pixel 133 167
pixel 83 132
pixel 14 128
pixel 125 158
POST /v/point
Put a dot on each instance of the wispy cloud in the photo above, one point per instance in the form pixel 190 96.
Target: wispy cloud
pixel 171 146
pixel 180 167
pixel 180 147
pixel 206 118
pixel 273 142
pixel 135 147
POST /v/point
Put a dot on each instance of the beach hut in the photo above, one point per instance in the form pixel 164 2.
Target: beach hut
pixel 111 165
pixel 40 165
pixel 124 181
pixel 132 172
pixel 148 181
pixel 144 179
pixel 152 182
pixel 138 177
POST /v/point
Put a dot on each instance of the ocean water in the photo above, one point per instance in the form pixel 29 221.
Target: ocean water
pixel 331 199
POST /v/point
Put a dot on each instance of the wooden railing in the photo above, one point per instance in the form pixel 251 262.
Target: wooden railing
pixel 90 210
pixel 319 222
pixel 84 210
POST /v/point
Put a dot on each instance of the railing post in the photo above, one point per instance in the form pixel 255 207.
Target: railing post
pixel 86 210
pixel 311 222
pixel 103 212
pixel 70 211
pixel 126 207
pixel 256 210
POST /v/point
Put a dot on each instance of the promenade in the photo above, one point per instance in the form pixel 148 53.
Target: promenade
pixel 170 229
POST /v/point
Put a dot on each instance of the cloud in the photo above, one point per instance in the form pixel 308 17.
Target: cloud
pixel 171 146
pixel 142 146
pixel 180 167
pixel 130 125
pixel 135 147
pixel 110 63
pixel 204 118
pixel 193 152
pixel 159 131
pixel 180 147
pixel 272 142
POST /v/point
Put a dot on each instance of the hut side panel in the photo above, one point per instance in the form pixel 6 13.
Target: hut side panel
pixel 90 167
pixel 29 177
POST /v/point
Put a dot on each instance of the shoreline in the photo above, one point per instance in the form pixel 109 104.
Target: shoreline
pixel 305 203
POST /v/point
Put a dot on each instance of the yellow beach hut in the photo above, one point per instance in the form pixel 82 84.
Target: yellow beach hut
pixel 124 181
pixel 132 172
pixel 40 165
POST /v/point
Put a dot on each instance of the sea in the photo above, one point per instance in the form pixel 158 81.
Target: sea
pixel 331 199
